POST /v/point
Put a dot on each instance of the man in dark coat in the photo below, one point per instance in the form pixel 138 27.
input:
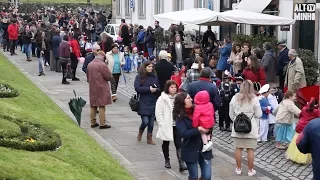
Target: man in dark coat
pixel 283 61
pixel 204 83
pixel 164 69
pixel 48 38
pixel 206 35
pixel 90 57
pixel 309 142
pixel 56 40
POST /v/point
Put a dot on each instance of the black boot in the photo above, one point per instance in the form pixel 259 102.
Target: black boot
pixel 165 150
pixel 74 78
pixel 182 166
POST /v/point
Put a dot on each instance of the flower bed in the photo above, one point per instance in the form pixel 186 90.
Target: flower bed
pixel 6 91
pixel 18 134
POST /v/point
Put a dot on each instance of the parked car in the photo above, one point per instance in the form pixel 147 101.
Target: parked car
pixel 112 30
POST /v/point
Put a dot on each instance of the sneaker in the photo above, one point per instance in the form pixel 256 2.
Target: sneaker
pixel 259 140
pixel 206 147
pixel 252 172
pixel 238 171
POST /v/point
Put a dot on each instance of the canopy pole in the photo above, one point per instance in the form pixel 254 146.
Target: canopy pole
pixel 199 35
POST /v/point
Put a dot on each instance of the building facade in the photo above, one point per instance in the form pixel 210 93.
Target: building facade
pixel 301 34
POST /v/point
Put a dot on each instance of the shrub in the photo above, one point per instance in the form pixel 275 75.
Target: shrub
pixel 9 129
pixel 6 91
pixel 32 137
pixel 311 66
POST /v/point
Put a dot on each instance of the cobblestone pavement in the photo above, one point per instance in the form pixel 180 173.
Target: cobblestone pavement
pixel 267 157
pixel 145 161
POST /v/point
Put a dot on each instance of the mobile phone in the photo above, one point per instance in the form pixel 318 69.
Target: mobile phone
pixel 154 86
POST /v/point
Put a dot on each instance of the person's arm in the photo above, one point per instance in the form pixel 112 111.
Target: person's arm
pixel 266 60
pixel 299 74
pixel 137 86
pixel 257 109
pixel 262 105
pixel 184 131
pixel 294 109
pixel 106 73
pixel 159 111
pixel 85 65
pixel 216 98
pixel 303 140
pixel 232 113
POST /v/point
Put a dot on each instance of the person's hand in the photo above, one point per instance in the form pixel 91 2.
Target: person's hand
pixel 42 52
pixel 229 60
pixel 153 89
pixel 269 108
pixel 203 130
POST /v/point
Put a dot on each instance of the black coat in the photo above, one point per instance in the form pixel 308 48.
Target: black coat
pixel 147 99
pixel 283 60
pixel 174 55
pixel 191 147
pixel 206 35
pixel 5 34
pixel 26 37
pixel 164 71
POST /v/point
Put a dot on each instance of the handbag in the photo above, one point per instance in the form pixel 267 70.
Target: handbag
pixel 134 102
pixel 242 124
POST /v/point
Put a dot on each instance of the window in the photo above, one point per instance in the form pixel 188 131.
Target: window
pixel 142 9
pixel 227 4
pixel 158 6
pixel 178 5
pixel 128 9
pixel 118 2
pixel 198 4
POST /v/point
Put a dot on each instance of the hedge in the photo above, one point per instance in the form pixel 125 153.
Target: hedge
pixel 6 91
pixel 32 137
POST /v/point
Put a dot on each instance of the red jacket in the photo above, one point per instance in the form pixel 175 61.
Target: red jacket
pixel 306 117
pixel 75 46
pixel 255 77
pixel 13 31
pixel 177 79
pixel 203 114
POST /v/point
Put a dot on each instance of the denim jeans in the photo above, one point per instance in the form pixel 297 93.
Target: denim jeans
pixel 205 167
pixel 27 50
pixel 40 61
pixel 147 121
pixel 150 51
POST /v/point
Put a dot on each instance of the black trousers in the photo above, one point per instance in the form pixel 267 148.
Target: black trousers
pixel 12 44
pixel 224 118
pixel 114 83
pixel 64 71
pixel 5 44
pixel 177 143
pixel 281 81
pixel 74 64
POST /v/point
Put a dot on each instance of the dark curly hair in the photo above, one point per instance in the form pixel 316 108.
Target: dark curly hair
pixel 179 106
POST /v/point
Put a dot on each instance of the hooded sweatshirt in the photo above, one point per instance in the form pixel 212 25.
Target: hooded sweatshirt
pixel 203 114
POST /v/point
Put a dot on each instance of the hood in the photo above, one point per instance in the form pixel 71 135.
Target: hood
pixel 202 97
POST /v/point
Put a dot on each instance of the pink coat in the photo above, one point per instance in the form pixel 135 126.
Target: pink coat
pixel 98 77
pixel 203 114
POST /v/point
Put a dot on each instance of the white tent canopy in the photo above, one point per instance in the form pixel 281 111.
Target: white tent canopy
pixel 247 17
pixel 198 16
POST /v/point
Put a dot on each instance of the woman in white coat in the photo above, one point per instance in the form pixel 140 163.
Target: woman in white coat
pixel 167 130
pixel 115 61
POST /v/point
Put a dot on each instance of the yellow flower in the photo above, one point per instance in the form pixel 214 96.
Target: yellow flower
pixel 30 140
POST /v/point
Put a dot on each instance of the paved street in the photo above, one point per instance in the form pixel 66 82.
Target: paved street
pixel 146 161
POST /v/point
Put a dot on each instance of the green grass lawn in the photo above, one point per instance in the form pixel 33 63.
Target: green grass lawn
pixel 80 157
pixel 70 1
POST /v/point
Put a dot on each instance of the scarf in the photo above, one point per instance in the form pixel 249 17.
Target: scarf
pixel 189 112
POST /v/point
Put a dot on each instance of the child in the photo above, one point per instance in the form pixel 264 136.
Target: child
pixel 266 109
pixel 203 116
pixel 135 57
pixel 128 59
pixel 309 112
pixel 177 76
pixel 285 117
pixel 272 98
pixel 225 92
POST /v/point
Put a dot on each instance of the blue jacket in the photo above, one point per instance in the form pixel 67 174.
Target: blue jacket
pixel 310 143
pixel 191 147
pixel 140 37
pixel 224 55
pixel 201 85
pixel 56 40
pixel 87 60
pixel 147 99
pixel 283 60
pixel 264 103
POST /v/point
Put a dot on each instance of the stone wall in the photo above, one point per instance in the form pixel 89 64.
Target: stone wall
pixel 33 7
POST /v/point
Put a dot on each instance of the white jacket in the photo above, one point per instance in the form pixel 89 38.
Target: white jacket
pixel 164 117
pixel 110 61
pixel 274 104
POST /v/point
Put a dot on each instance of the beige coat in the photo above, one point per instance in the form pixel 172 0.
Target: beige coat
pixel 236 59
pixel 285 112
pixel 251 109
pixel 110 61
pixel 295 76
pixel 164 117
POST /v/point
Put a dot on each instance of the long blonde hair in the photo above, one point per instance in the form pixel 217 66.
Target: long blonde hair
pixel 246 93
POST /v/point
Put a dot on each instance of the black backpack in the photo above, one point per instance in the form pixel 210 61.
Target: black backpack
pixel 242 124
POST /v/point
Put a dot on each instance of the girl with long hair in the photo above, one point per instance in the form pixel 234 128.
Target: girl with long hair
pixel 147 86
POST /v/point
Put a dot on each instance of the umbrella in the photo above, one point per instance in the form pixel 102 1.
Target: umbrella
pixel 305 94
pixel 76 105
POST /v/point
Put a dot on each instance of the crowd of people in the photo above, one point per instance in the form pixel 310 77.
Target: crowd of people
pixel 249 91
